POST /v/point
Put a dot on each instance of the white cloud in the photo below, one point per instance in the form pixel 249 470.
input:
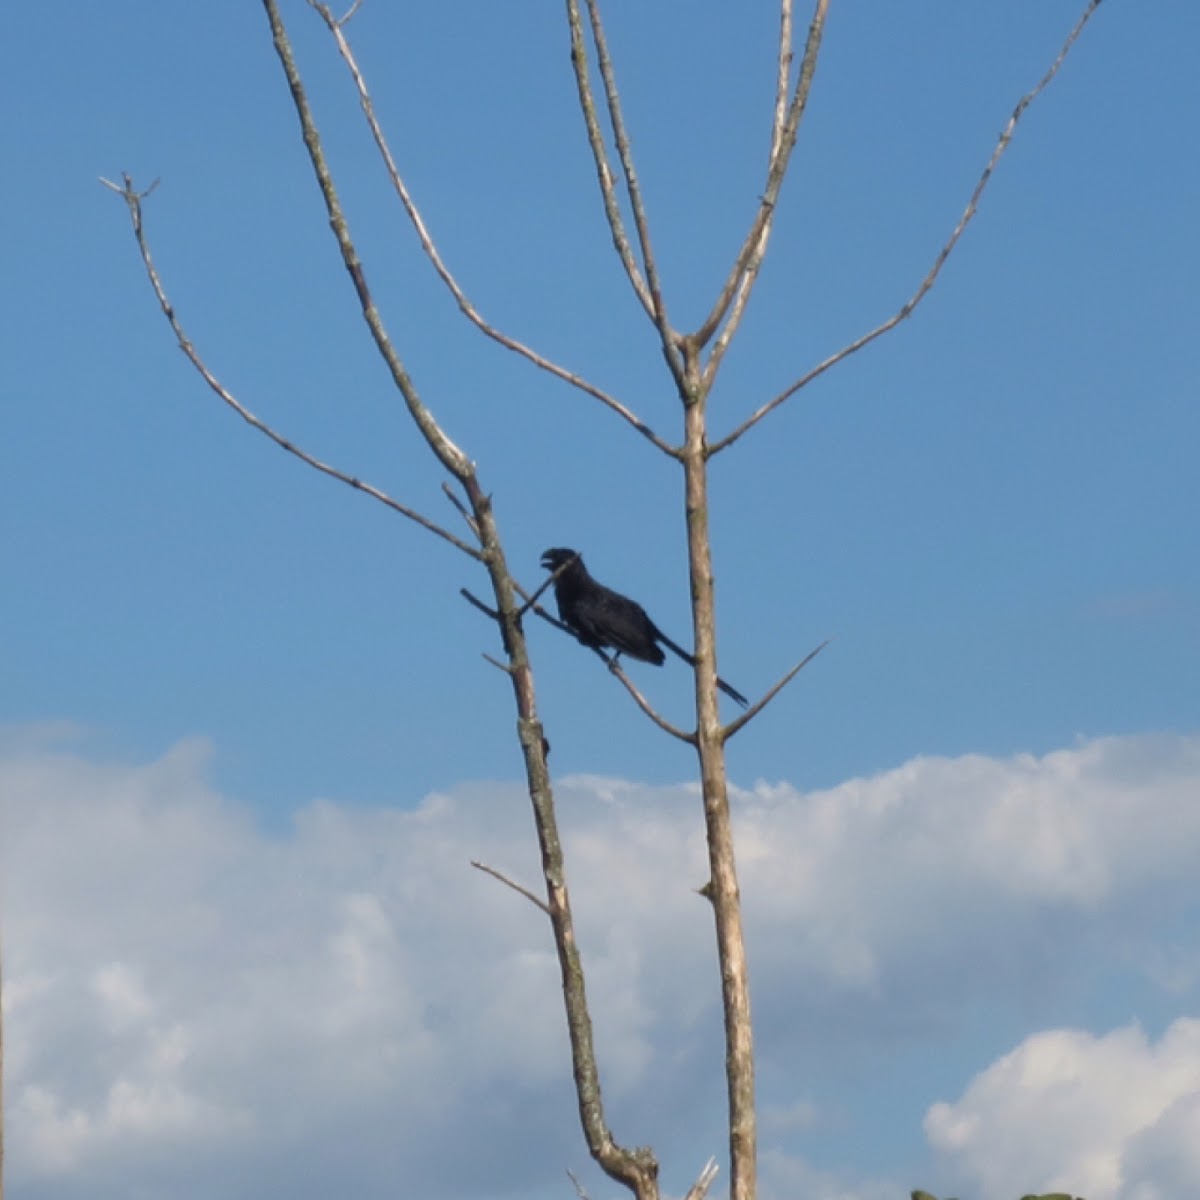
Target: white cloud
pixel 1112 1117
pixel 800 1114
pixel 194 1002
pixel 121 994
pixel 785 1177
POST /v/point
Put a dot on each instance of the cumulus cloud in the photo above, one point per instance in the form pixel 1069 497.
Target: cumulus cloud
pixel 1111 1117
pixel 894 899
pixel 199 1006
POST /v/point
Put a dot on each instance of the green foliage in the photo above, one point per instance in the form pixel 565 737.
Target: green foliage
pixel 920 1195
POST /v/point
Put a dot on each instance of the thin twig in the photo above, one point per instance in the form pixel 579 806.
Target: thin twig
pixel 548 582
pixel 479 604
pixel 495 662
pixel 516 887
pixel 466 307
pixel 134 200
pixel 463 511
pixel 751 713
pixel 580 1191
pixel 604 172
pixel 538 610
pixel 906 310
pixel 615 667
pixel 699 1189
pixel 658 309
pixel 735 295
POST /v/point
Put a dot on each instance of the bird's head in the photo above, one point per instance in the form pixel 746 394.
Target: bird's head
pixel 558 557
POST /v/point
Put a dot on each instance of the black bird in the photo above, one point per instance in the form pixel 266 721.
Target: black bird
pixel 600 617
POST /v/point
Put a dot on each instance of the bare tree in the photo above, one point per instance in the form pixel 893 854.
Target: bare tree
pixel 692 360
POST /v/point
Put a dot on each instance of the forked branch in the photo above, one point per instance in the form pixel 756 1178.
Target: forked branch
pixel 604 171
pixel 784 131
pixel 906 310
pixel 699 1189
pixel 658 307
pixel 649 288
pixel 429 246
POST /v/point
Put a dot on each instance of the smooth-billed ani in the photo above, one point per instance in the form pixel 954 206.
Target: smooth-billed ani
pixel 600 617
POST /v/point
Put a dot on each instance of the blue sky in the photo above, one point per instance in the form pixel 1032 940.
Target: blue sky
pixel 991 513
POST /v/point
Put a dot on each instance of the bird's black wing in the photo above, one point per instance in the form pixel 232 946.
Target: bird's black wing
pixel 602 617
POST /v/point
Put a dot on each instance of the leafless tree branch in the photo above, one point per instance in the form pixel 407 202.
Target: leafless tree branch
pixel 134 199
pixel 479 604
pixel 658 307
pixel 906 310
pixel 752 712
pixel 429 246
pixel 744 273
pixel 580 1190
pixel 447 453
pixel 699 1189
pixel 782 76
pixel 349 14
pixel 604 172
pixel 463 512
pixel 546 584
pixel 637 1169
pixel 733 971
pixel 615 667
pixel 516 887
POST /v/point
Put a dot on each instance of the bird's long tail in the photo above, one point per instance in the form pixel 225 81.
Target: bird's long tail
pixel 731 692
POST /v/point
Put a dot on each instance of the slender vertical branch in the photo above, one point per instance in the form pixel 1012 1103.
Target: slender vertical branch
pixel 782 77
pixel 604 172
pixel 658 307
pixel 723 889
pixel 636 1169
pixel 448 454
